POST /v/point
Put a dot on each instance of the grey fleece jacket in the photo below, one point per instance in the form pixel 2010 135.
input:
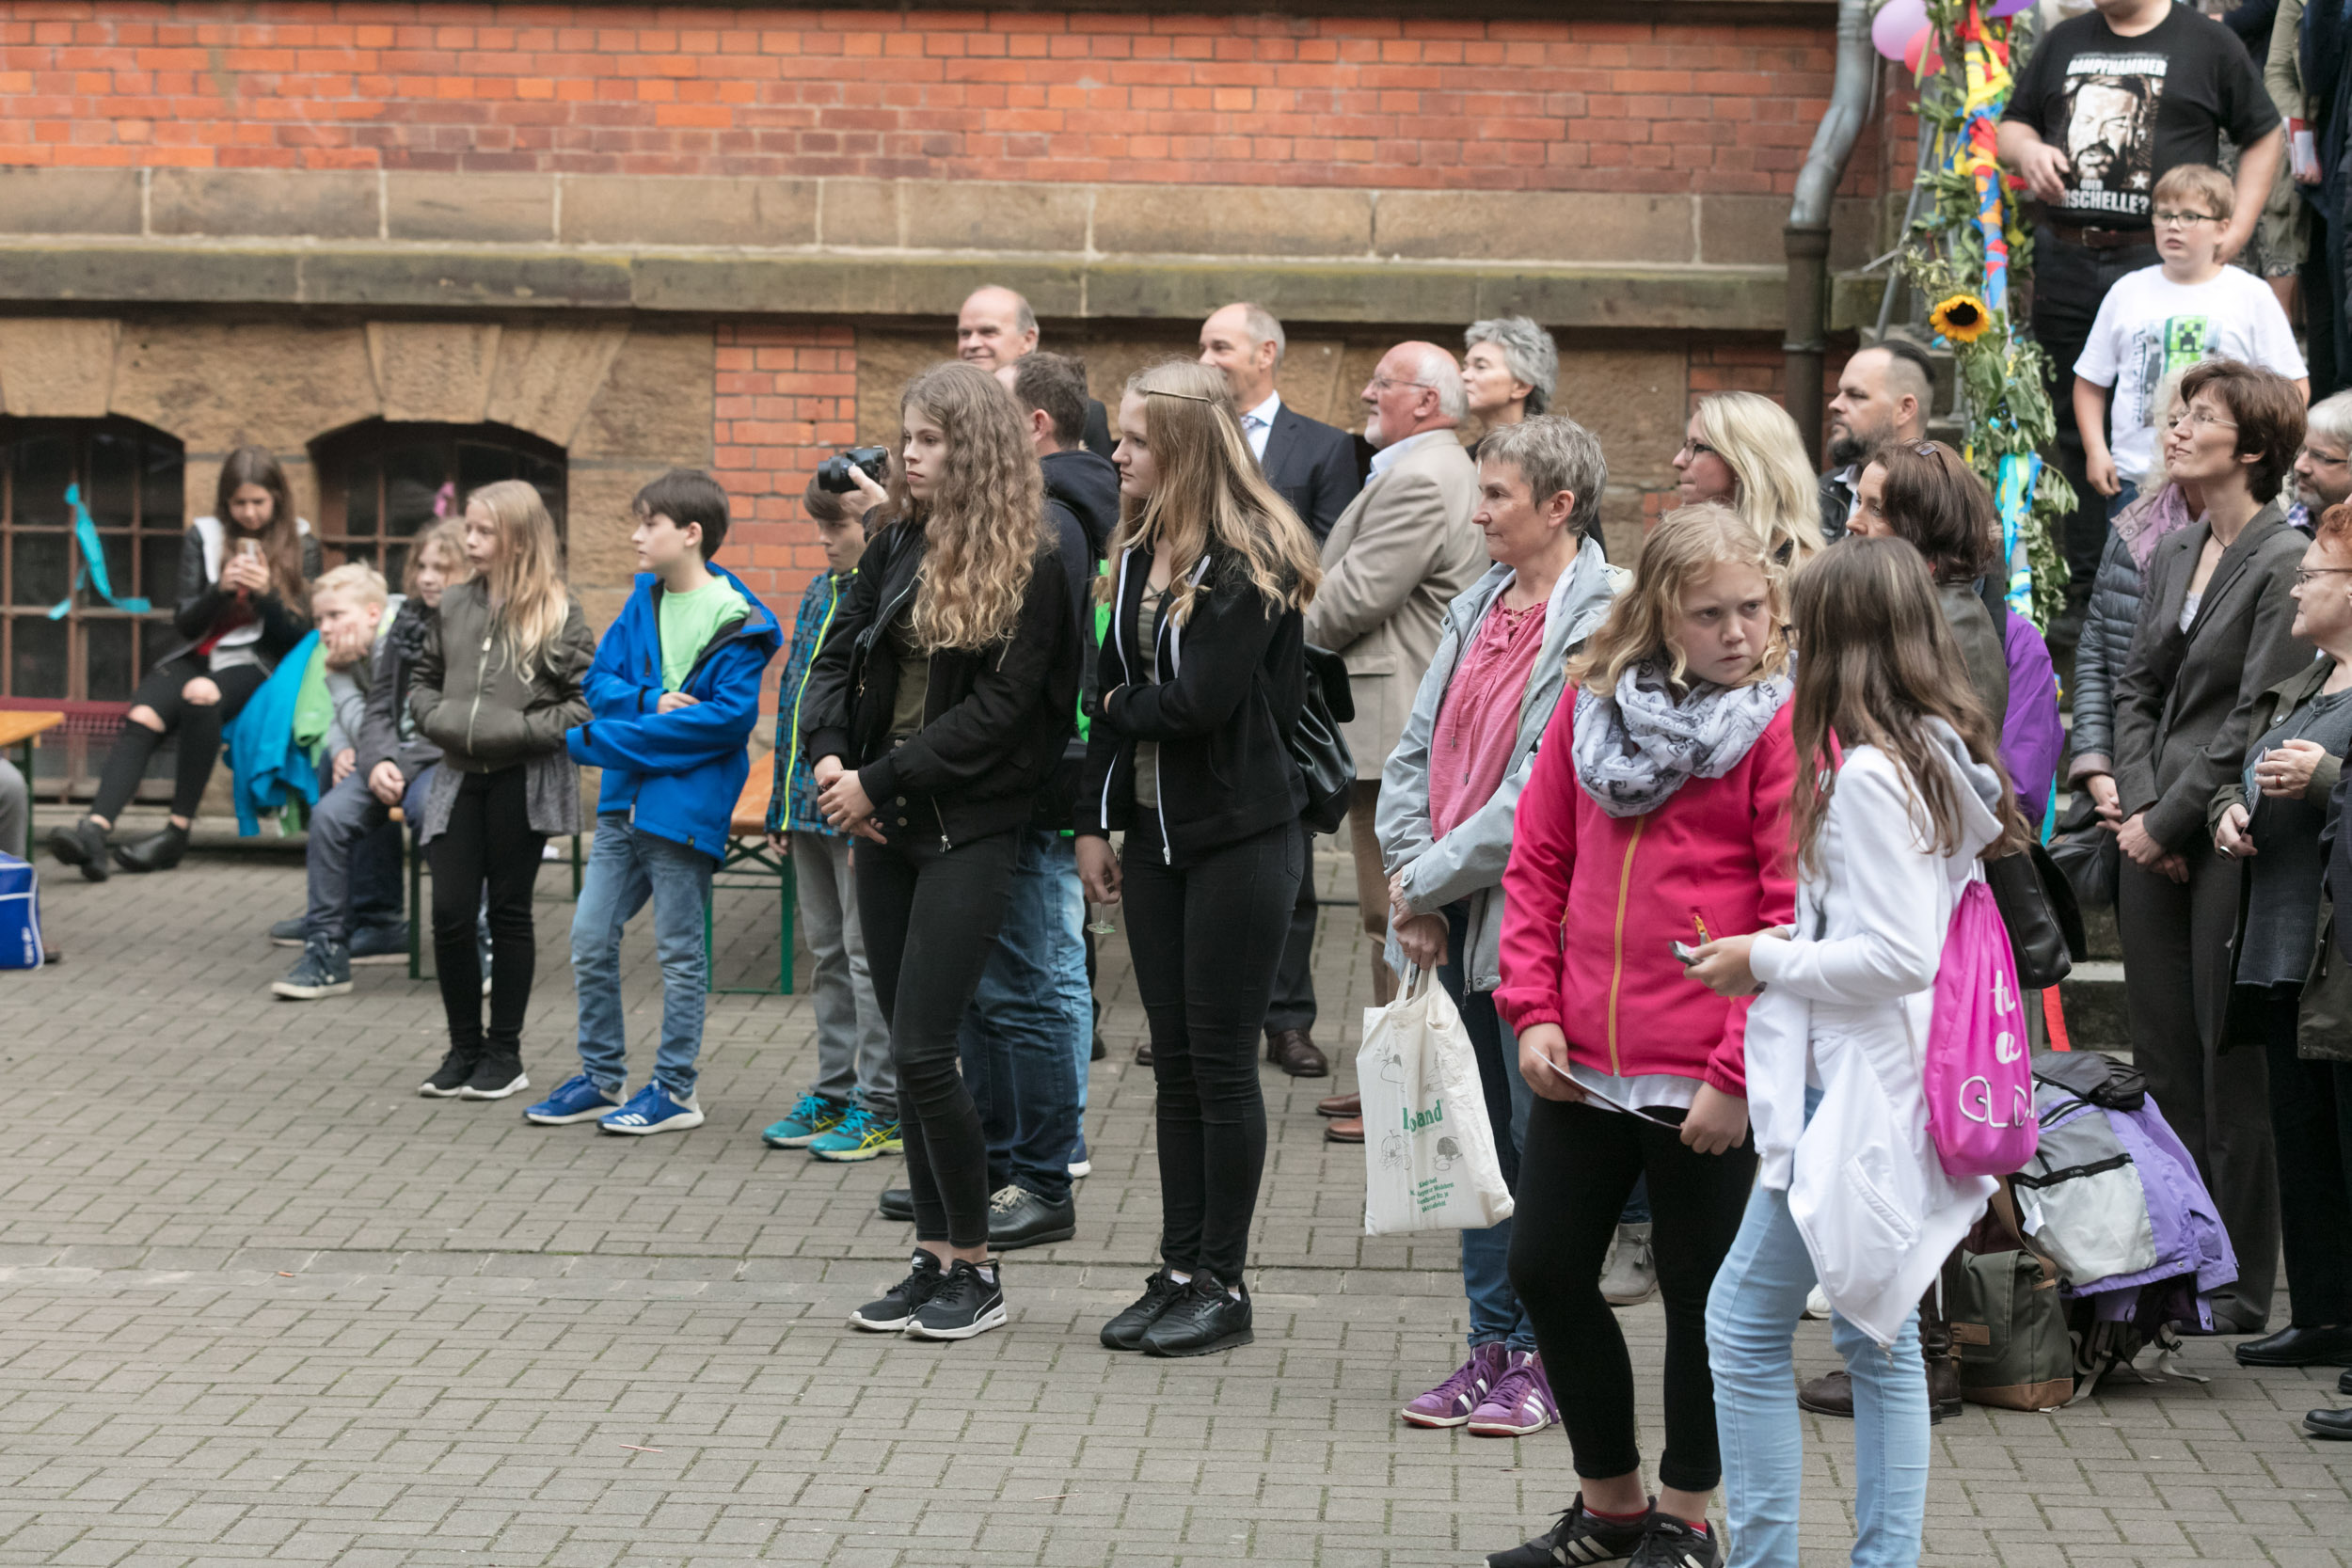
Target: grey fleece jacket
pixel 1467 864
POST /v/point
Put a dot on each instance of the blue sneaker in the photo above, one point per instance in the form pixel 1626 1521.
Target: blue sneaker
pixel 814 1117
pixel 652 1110
pixel 862 1135
pixel 578 1100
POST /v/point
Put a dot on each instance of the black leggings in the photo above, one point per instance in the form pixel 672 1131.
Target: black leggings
pixel 489 843
pixel 930 918
pixel 1574 1174
pixel 197 725
pixel 1206 936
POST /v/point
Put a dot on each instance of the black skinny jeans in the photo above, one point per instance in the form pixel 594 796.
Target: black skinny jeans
pixel 1574 1174
pixel 2311 1112
pixel 489 844
pixel 930 918
pixel 197 725
pixel 1206 936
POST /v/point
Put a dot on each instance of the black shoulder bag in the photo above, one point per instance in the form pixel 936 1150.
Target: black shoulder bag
pixel 1316 744
pixel 2037 904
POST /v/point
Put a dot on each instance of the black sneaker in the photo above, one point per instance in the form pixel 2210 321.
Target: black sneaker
pixel 82 844
pixel 291 933
pixel 1126 1332
pixel 382 944
pixel 324 970
pixel 1668 1543
pixel 456 1071
pixel 967 1303
pixel 896 1203
pixel 899 1304
pixel 1017 1217
pixel 1203 1318
pixel 1577 1540
pixel 499 1074
pixel 157 851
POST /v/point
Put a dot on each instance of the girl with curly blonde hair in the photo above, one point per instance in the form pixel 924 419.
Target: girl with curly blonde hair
pixel 936 711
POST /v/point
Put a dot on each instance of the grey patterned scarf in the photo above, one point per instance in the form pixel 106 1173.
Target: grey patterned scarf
pixel 1635 749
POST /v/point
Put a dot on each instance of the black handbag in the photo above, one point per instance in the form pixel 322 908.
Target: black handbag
pixel 2037 904
pixel 2087 854
pixel 1316 744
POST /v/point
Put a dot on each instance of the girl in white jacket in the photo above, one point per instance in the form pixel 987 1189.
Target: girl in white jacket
pixel 1899 790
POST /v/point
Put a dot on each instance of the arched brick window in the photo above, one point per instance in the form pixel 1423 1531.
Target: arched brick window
pixel 380 483
pixel 129 477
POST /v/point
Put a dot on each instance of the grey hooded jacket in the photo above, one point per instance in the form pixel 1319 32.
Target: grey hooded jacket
pixel 1468 863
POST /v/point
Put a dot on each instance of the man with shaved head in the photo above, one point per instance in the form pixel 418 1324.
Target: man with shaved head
pixel 997 327
pixel 1394 560
pixel 1884 394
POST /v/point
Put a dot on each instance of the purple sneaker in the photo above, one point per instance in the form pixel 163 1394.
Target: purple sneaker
pixel 1521 1404
pixel 1450 1404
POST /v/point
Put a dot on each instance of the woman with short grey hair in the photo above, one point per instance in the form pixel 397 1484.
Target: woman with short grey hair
pixel 1510 371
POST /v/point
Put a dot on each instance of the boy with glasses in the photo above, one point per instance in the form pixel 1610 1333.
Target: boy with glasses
pixel 2188 307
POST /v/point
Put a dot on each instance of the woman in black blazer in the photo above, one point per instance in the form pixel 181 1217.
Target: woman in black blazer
pixel 2213 634
pixel 1202 673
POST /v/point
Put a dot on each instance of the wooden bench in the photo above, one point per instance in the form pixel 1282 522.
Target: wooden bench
pixel 748 864
pixel 79 724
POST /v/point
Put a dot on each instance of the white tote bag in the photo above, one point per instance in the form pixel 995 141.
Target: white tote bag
pixel 1429 1156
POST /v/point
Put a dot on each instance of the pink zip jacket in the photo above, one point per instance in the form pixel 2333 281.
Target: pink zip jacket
pixel 1592 904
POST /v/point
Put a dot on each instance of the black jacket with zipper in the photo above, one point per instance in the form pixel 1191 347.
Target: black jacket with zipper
pixel 993 718
pixel 1231 680
pixel 469 699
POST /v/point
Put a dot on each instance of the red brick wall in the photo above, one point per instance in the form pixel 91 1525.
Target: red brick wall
pixel 1576 105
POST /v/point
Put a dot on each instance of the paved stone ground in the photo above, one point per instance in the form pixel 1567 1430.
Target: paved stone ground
pixel 258 1302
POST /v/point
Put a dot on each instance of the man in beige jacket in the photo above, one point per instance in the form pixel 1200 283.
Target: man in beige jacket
pixel 1397 556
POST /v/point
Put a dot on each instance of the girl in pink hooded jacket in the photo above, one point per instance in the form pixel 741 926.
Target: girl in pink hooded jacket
pixel 1654 820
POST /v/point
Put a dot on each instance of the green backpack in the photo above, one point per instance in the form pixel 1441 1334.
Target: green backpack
pixel 2008 1321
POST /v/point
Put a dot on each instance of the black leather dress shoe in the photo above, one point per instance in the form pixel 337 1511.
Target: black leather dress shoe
pixel 2344 1385
pixel 2334 1425
pixel 157 851
pixel 898 1203
pixel 1018 1217
pixel 1203 1320
pixel 2299 1347
pixel 1295 1053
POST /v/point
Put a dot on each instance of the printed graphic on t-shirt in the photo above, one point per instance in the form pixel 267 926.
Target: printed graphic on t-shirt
pixel 2111 132
pixel 2161 347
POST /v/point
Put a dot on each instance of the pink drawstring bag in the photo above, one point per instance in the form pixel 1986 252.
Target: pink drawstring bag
pixel 1979 1073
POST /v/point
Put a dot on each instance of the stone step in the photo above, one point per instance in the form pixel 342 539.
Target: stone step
pixel 2092 996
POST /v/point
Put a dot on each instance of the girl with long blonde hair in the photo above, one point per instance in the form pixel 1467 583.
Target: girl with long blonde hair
pixel 1652 821
pixel 936 713
pixel 1744 451
pixel 1202 673
pixel 496 685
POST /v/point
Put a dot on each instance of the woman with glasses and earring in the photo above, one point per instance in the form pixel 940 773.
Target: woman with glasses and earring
pixel 1744 451
pixel 2271 818
pixel 2214 633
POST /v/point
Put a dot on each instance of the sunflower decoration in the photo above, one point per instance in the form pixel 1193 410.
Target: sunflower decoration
pixel 1962 318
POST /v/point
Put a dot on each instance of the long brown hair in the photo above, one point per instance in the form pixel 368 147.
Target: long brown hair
pixel 281 537
pixel 985 522
pixel 1934 501
pixel 1689 543
pixel 1875 661
pixel 1211 491
pixel 529 602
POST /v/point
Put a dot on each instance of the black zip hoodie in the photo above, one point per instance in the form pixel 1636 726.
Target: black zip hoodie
pixel 1232 679
pixel 1086 484
pixel 993 718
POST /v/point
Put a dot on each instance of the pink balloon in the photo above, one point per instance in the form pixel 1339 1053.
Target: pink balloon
pixel 1892 29
pixel 1921 54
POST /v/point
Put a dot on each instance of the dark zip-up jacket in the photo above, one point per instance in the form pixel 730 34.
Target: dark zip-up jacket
pixel 469 700
pixel 1232 679
pixel 387 731
pixel 993 718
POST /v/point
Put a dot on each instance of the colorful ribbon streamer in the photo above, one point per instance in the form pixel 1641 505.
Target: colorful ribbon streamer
pixel 93 572
pixel 2013 496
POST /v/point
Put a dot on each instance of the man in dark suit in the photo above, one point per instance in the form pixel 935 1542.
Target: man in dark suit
pixel 1315 468
pixel 997 327
pixel 1312 464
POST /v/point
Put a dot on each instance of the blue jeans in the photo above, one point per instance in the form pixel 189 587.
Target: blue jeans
pixel 1751 1317
pixel 1026 1038
pixel 625 869
pixel 352 857
pixel 1494 1314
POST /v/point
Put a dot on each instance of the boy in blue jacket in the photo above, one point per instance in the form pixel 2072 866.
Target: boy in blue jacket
pixel 673 695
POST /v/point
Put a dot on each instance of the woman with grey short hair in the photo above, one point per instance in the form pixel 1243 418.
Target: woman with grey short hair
pixel 1510 371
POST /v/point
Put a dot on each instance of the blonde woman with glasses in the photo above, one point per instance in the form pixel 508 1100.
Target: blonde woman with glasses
pixel 1745 452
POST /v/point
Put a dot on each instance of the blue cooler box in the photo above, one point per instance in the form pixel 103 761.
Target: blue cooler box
pixel 19 915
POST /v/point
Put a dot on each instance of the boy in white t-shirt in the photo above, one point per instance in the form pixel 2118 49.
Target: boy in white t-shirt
pixel 2187 308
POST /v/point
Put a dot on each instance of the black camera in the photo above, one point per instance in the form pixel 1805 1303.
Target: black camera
pixel 833 472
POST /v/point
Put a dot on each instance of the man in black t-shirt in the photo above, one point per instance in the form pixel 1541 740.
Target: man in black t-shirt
pixel 2108 103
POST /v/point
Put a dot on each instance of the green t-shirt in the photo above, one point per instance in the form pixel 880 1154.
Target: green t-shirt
pixel 689 620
